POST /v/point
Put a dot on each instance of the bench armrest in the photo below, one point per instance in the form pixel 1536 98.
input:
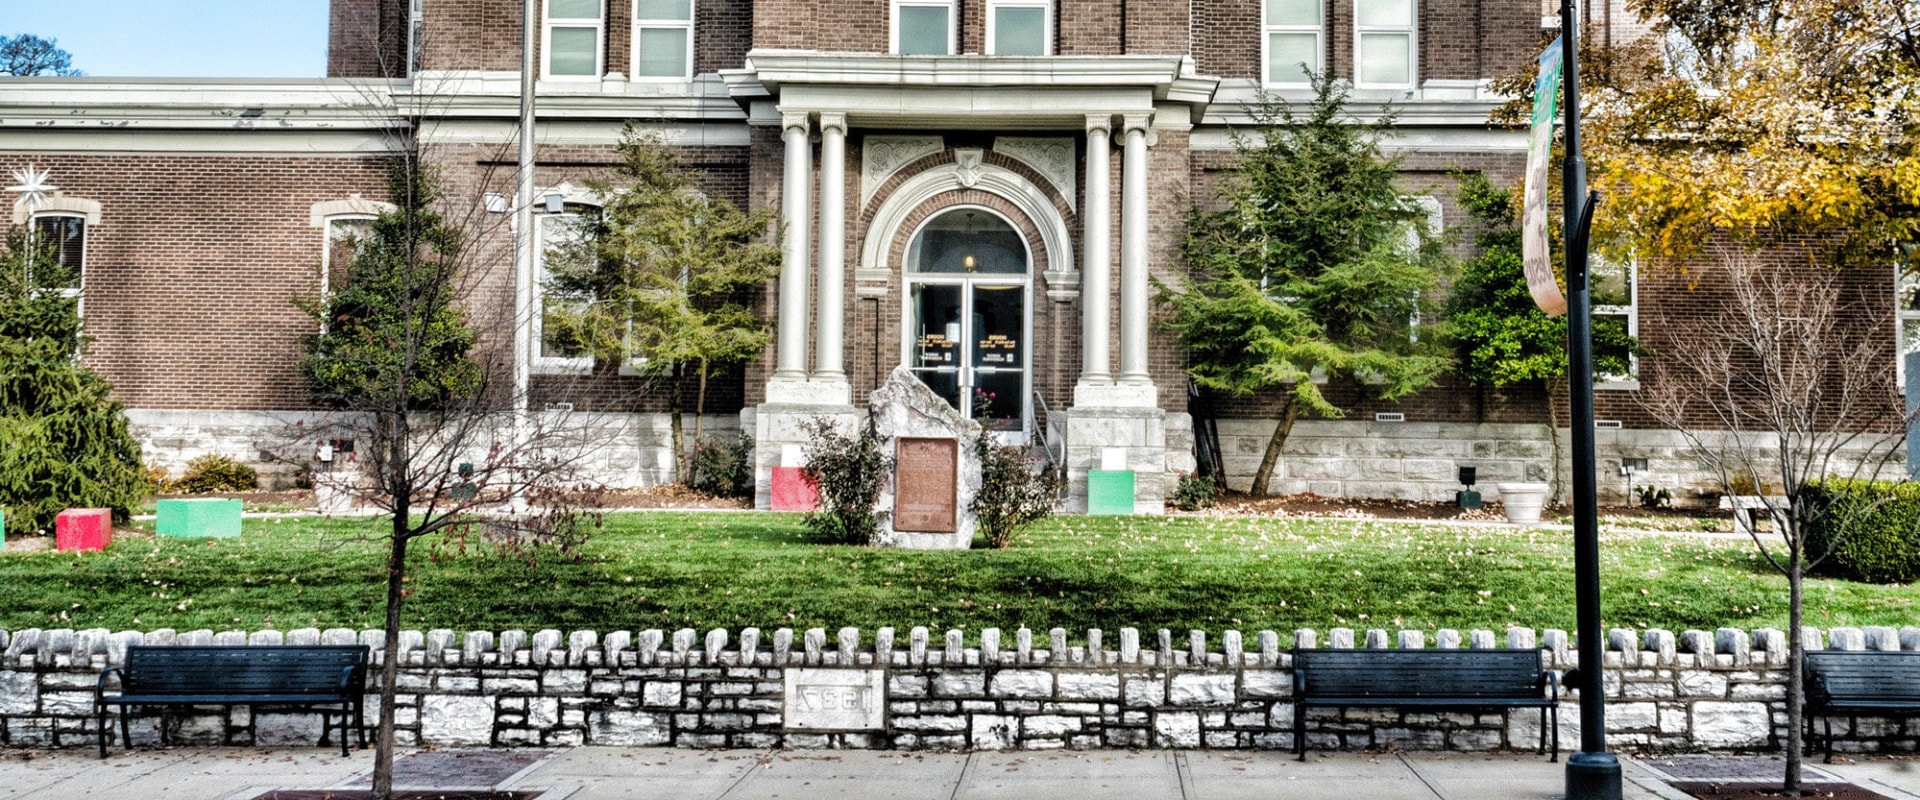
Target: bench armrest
pixel 347 689
pixel 1551 680
pixel 100 687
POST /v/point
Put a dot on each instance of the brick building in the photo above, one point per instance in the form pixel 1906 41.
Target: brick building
pixel 948 172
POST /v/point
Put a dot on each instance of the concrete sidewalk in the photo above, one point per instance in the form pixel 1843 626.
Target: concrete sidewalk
pixel 606 773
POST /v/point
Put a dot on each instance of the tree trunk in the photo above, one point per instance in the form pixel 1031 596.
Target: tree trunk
pixel 675 438
pixel 396 484
pixel 1289 414
pixel 1557 474
pixel 1796 679
pixel 699 416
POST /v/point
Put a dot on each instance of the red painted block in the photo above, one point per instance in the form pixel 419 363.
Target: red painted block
pixel 793 492
pixel 83 529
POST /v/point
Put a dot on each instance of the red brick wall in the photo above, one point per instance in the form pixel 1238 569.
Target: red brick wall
pixel 1088 27
pixel 366 38
pixel 192 271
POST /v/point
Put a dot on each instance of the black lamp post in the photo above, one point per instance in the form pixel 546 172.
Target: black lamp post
pixel 1592 773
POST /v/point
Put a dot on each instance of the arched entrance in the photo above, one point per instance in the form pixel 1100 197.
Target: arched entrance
pixel 968 317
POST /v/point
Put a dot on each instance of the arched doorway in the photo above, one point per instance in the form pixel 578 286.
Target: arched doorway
pixel 968 317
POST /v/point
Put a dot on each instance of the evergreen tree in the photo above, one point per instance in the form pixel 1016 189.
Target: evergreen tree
pixel 394 339
pixel 66 443
pixel 1315 268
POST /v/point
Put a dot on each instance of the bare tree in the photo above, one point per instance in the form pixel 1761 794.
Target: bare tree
pixel 408 359
pixel 1791 381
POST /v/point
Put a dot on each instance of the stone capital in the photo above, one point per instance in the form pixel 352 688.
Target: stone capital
pixel 797 119
pixel 1102 123
pixel 834 121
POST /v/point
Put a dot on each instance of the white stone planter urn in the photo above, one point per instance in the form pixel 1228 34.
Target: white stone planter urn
pixel 1523 501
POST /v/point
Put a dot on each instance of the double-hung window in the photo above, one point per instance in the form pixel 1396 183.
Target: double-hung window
pixel 344 238
pixel 1616 321
pixel 63 239
pixel 574 31
pixel 1384 44
pixel 1907 290
pixel 1019 27
pixel 662 39
pixel 1294 41
pixel 923 27
pixel 555 350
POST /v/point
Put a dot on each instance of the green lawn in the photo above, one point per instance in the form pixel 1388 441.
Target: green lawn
pixel 703 570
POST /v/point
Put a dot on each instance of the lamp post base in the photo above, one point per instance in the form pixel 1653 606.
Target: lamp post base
pixel 1593 776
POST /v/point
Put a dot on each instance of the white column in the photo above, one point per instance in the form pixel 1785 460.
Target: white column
pixel 830 344
pixel 1133 253
pixel 1096 281
pixel 790 360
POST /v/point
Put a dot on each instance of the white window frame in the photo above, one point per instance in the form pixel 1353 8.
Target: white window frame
pixel 641 24
pixel 953 23
pixel 1434 214
pixel 1411 31
pixel 416 19
pixel 547 26
pixel 1268 28
pixel 1046 22
pixel 333 230
pixel 545 364
pixel 1631 271
pixel 77 291
pixel 1906 323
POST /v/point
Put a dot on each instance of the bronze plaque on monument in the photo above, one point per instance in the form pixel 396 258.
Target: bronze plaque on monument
pixel 926 485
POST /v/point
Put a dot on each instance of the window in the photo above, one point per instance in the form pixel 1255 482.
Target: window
pixel 553 350
pixel 1616 321
pixel 923 27
pixel 344 235
pixel 1019 27
pixel 1908 292
pixel 415 19
pixel 572 43
pixel 1384 47
pixel 663 39
pixel 1294 42
pixel 64 237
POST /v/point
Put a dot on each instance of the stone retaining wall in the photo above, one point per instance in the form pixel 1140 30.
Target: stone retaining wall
pixel 1721 690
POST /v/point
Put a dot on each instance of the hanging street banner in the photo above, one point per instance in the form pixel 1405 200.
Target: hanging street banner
pixel 1533 212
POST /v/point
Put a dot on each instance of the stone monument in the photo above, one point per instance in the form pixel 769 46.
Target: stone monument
pixel 936 471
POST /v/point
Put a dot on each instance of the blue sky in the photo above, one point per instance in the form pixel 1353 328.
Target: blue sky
pixel 180 38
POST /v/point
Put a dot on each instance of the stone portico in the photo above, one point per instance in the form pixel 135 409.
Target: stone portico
pixel 1026 144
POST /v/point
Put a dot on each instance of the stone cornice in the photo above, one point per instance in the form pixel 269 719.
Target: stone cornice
pixel 968 91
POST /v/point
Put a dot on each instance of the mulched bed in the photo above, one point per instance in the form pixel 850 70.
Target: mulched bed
pixel 1708 790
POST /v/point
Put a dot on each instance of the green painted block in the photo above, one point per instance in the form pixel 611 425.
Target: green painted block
pixel 197 517
pixel 3 524
pixel 1110 491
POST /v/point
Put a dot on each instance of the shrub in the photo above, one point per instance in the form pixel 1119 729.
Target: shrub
pixel 1194 493
pixel 1653 496
pixel 1873 528
pixel 849 470
pixel 1012 496
pixel 723 468
pixel 215 473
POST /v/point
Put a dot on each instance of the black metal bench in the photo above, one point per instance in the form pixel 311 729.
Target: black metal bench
pixel 1881 683
pixel 1430 679
pixel 327 679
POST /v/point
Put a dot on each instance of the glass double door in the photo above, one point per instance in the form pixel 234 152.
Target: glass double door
pixel 968 342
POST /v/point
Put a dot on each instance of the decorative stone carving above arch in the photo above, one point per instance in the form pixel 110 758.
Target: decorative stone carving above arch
pixel 1052 157
pixel 882 156
pixel 1031 200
